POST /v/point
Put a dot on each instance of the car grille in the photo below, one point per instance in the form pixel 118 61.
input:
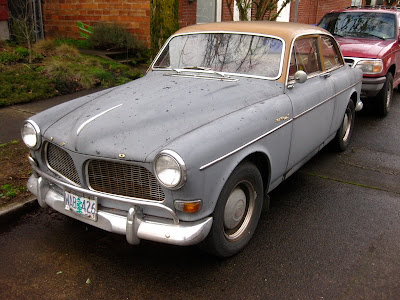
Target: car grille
pixel 60 162
pixel 123 179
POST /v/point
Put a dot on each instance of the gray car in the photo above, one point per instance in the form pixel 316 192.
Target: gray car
pixel 186 154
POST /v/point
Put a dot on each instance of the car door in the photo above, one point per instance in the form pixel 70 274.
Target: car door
pixel 313 101
pixel 336 70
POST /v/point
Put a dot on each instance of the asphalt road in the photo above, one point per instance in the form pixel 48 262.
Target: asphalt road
pixel 332 232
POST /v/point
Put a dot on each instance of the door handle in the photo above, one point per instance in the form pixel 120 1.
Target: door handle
pixel 325 75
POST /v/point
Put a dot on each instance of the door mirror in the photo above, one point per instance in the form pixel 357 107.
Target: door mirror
pixel 300 76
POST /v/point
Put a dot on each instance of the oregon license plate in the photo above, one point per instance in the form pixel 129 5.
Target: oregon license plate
pixel 82 205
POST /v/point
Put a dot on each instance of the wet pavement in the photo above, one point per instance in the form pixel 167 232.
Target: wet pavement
pixel 332 232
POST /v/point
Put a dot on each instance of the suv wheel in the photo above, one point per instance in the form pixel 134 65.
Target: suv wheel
pixel 385 96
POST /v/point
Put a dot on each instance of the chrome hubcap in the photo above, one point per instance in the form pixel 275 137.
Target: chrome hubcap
pixel 389 96
pixel 347 124
pixel 238 210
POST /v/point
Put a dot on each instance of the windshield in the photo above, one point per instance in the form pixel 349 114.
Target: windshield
pixel 360 24
pixel 224 52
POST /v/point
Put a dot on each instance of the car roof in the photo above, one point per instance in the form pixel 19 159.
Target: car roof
pixel 285 30
pixel 380 9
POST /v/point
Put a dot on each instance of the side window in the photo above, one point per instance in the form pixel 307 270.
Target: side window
pixel 330 53
pixel 305 57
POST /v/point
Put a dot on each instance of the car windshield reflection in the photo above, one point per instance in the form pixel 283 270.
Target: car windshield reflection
pixel 223 52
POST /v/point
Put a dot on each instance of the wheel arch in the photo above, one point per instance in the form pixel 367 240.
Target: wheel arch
pixel 262 162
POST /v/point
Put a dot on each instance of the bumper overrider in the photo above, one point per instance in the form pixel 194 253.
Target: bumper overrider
pixel 135 226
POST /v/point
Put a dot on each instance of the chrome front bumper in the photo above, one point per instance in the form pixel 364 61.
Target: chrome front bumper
pixel 135 226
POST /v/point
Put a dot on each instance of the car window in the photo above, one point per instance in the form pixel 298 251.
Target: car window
pixel 360 24
pixel 305 57
pixel 224 52
pixel 330 53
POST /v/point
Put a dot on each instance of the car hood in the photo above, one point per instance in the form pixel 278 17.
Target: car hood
pixel 365 48
pixel 145 115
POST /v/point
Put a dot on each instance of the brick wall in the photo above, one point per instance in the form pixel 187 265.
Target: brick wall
pixel 311 11
pixel 3 10
pixel 187 13
pixel 60 16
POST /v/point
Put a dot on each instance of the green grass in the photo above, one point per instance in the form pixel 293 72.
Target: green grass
pixel 58 69
pixel 21 83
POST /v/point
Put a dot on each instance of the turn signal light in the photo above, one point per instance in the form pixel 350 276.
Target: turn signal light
pixel 188 206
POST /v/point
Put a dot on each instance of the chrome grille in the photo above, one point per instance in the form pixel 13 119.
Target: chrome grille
pixel 59 161
pixel 123 179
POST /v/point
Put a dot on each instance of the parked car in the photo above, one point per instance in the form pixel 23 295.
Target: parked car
pixel 369 39
pixel 186 154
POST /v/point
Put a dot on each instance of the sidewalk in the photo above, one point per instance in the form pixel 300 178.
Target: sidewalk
pixel 12 117
pixel 11 120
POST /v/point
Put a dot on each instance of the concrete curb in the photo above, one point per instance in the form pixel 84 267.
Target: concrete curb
pixel 13 210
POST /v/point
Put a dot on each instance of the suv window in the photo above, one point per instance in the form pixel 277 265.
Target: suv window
pixel 360 24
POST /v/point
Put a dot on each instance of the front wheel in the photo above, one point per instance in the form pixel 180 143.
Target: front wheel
pixel 385 96
pixel 237 212
pixel 343 135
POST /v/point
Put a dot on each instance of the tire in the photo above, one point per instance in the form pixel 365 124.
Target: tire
pixel 343 134
pixel 237 212
pixel 385 96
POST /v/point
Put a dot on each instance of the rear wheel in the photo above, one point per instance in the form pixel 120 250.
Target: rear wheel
pixel 385 96
pixel 237 212
pixel 343 135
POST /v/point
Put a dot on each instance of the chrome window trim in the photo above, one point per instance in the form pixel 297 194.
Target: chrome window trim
pixel 227 32
pixel 46 145
pixel 276 128
pixel 86 169
pixel 312 75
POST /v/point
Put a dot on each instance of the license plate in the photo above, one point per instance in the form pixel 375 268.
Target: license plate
pixel 82 205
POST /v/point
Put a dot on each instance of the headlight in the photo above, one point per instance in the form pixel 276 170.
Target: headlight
pixel 370 66
pixel 31 134
pixel 170 169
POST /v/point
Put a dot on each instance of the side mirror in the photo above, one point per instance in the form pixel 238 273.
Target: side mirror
pixel 300 76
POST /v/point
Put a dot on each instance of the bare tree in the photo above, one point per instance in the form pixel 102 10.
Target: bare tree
pixel 262 8
pixel 23 23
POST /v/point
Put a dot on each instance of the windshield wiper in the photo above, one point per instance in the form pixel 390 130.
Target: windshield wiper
pixel 197 68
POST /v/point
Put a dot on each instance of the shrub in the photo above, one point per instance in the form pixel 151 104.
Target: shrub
pixel 80 44
pixel 21 52
pixel 112 36
pixel 45 47
pixel 8 57
pixel 65 50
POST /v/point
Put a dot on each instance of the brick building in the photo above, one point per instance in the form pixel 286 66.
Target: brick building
pixel 60 16
pixel 4 14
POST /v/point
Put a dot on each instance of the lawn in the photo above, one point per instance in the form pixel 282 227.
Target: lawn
pixel 56 68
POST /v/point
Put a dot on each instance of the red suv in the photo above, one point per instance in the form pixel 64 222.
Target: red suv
pixel 369 40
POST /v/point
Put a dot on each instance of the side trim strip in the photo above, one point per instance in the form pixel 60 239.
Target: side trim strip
pixel 323 102
pixel 276 128
pixel 245 145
